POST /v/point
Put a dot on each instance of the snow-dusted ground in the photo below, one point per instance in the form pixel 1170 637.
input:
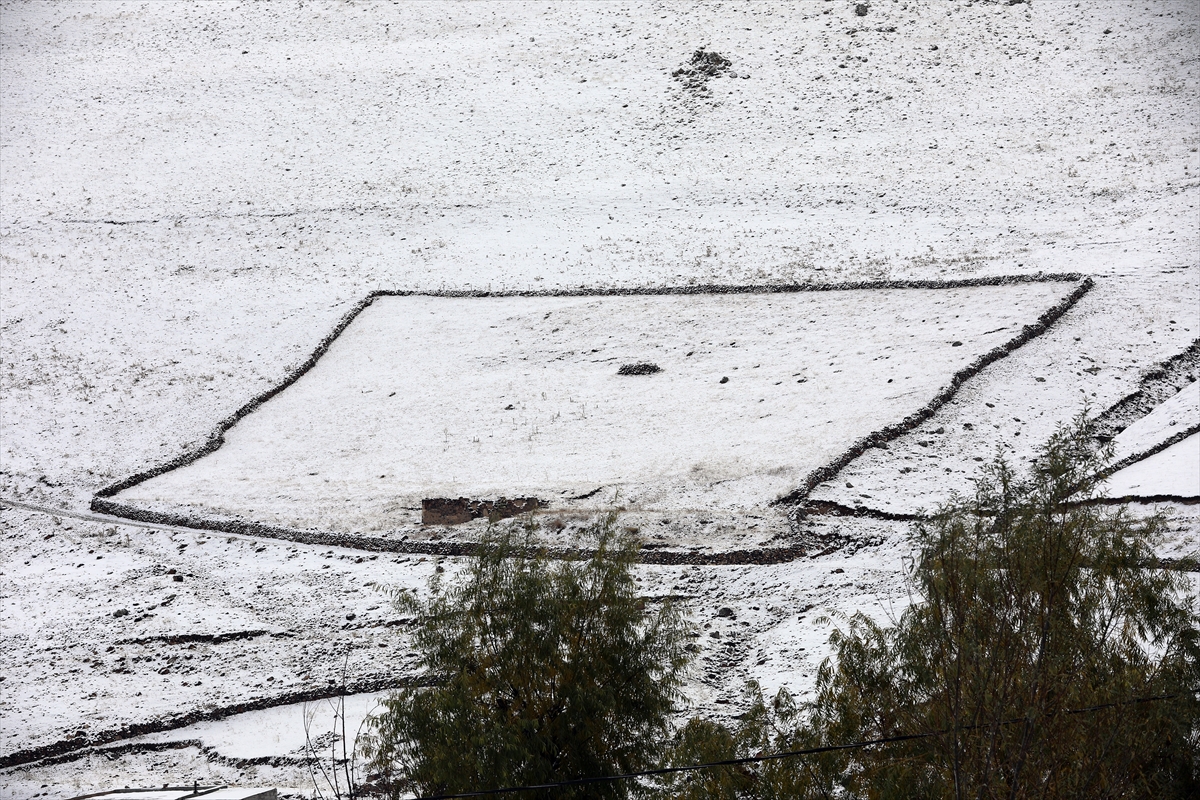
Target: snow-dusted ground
pixel 271 619
pixel 1171 470
pixel 282 731
pixel 111 639
pixel 191 196
pixel 277 739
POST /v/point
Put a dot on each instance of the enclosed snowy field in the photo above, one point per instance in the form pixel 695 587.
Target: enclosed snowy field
pixel 742 396
pixel 192 196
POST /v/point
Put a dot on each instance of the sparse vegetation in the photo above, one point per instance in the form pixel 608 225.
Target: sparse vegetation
pixel 1046 650
pixel 332 756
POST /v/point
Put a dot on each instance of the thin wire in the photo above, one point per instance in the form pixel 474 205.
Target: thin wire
pixel 733 762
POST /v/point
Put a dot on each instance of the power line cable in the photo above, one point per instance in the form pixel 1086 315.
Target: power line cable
pixel 733 762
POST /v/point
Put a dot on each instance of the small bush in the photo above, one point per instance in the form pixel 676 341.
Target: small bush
pixel 545 670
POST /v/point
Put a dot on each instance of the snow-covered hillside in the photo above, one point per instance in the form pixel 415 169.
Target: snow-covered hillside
pixel 192 195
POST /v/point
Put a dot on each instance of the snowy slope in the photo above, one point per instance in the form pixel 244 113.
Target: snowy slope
pixel 243 200
pixel 192 195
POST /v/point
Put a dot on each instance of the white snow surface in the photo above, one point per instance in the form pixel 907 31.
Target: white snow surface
pixel 510 397
pixel 193 194
pixel 1174 471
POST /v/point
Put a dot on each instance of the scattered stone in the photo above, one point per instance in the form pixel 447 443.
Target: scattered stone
pixel 861 9
pixel 724 379
pixel 641 368
pixel 121 612
pixel 705 64
pixel 837 571
pixel 725 611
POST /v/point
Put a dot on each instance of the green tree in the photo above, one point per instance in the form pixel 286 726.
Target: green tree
pixel 1039 616
pixel 762 728
pixel 544 670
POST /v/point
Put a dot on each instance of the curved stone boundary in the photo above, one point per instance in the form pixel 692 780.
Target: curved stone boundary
pixel 102 504
pixel 218 436
pixel 912 421
pixel 70 749
pixel 1148 499
pixel 1158 384
pixel 829 508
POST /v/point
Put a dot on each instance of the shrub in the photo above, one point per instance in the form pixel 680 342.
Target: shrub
pixel 544 670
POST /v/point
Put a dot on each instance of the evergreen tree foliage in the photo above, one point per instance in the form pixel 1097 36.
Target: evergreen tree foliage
pixel 544 669
pixel 1039 616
